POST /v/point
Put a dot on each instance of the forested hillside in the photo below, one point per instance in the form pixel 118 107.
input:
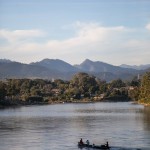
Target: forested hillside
pixel 82 87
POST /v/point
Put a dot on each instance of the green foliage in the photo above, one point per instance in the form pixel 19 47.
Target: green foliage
pixel 103 87
pixel 84 84
pixel 134 94
pixel 135 83
pixel 35 99
pixel 81 86
pixel 117 84
pixel 2 90
pixel 145 89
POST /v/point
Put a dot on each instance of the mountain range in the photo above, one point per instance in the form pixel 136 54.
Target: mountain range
pixel 140 67
pixel 59 69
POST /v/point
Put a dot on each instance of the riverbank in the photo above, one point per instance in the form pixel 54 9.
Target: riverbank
pixel 145 104
pixel 17 103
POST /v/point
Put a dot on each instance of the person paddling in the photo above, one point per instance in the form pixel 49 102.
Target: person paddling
pixel 107 144
pixel 87 142
pixel 81 142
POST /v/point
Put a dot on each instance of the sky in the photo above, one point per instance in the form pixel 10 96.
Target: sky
pixel 111 31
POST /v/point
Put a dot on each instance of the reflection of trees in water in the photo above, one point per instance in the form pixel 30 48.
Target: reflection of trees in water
pixel 8 124
pixel 146 117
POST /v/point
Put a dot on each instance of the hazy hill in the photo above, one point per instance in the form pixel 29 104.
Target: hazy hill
pixel 5 61
pixel 107 71
pixel 19 70
pixel 140 67
pixel 56 64
pixel 98 66
pixel 58 69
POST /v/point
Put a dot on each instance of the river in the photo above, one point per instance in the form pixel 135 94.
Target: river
pixel 125 126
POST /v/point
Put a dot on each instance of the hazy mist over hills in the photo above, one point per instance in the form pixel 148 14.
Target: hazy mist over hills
pixel 140 67
pixel 97 66
pixel 59 69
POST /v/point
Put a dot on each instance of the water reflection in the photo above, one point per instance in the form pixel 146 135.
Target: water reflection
pixel 59 127
pixel 146 123
pixel 146 118
pixel 110 108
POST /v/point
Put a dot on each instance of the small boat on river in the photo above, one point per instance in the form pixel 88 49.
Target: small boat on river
pixel 93 146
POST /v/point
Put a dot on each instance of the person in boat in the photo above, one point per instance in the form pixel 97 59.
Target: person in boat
pixel 107 144
pixel 93 145
pixel 87 142
pixel 81 142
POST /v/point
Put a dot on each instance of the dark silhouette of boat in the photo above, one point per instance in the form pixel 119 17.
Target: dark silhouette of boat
pixel 101 147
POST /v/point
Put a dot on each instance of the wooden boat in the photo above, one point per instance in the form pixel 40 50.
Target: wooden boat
pixel 101 147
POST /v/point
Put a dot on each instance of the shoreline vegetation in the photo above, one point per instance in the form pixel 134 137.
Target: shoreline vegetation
pixel 143 103
pixel 9 103
pixel 82 88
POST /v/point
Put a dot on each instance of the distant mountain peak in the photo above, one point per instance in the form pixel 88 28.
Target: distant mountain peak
pixel 48 59
pixel 140 67
pixel 5 60
pixel 87 60
pixel 98 66
pixel 56 64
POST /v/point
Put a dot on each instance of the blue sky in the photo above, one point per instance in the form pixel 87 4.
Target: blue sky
pixel 112 31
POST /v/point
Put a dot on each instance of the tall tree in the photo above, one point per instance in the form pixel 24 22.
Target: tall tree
pixel 145 89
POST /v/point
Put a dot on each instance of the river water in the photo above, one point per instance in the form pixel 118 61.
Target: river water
pixel 59 127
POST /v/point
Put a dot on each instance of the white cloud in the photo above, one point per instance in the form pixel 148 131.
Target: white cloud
pixel 16 35
pixel 91 40
pixel 87 35
pixel 95 32
pixel 148 26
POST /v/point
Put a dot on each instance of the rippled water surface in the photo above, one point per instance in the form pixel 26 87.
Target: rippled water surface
pixel 59 127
